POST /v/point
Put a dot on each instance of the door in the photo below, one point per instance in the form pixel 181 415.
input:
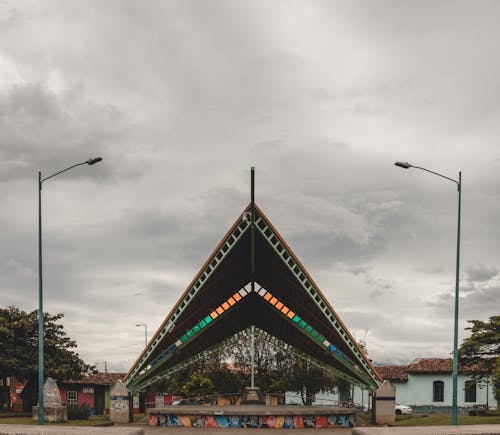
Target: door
pixel 99 400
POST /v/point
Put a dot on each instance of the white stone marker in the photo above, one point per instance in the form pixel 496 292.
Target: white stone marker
pixel 119 405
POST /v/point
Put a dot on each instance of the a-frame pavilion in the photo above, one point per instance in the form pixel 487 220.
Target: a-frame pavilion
pixel 251 279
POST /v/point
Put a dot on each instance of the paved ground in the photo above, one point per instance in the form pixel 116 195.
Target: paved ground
pixel 150 430
pixel 479 429
pixel 24 429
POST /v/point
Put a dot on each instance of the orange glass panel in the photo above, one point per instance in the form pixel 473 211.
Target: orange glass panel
pixel 219 310
pixel 285 309
pixel 237 297
pixel 268 296
pixel 273 301
pixel 291 314
pixel 231 301
pixel 279 305
pixel 225 305
pixel 213 315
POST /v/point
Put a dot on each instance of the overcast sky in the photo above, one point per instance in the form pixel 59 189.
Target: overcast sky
pixel 181 98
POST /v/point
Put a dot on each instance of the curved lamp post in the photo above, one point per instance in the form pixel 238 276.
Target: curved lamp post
pixel 145 333
pixel 40 286
pixel 454 407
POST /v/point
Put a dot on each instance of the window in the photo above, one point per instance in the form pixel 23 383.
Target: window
pixel 438 391
pixel 470 391
pixel 72 398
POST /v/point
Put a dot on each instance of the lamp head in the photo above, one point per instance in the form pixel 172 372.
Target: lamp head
pixel 94 161
pixel 404 165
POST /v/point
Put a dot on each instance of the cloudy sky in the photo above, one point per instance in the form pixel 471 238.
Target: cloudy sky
pixel 181 98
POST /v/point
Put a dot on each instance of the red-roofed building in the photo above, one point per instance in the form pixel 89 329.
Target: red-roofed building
pixel 426 384
pixel 92 389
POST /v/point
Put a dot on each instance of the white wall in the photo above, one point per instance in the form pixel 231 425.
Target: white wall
pixel 418 391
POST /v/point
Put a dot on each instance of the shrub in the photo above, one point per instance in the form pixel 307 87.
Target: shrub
pixel 78 412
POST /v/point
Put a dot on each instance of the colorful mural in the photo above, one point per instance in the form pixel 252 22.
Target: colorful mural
pixel 254 421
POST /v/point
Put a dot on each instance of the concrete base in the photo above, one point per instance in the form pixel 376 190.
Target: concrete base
pixel 18 429
pixel 252 396
pixel 253 416
pixel 52 414
pixel 479 429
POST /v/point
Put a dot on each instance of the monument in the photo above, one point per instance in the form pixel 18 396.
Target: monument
pixel 120 410
pixel 384 404
pixel 53 410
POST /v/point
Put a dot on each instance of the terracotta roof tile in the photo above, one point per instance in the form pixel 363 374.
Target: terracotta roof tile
pixel 96 379
pixel 393 373
pixel 431 365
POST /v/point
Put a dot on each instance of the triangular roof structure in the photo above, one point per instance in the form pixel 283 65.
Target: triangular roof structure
pixel 252 278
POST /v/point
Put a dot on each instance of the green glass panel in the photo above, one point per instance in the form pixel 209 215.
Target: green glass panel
pixel 320 338
pixel 308 328
pixel 302 324
pixel 196 329
pixel 314 333
pixel 189 333
pixel 202 324
pixel 208 319
pixel 296 319
pixel 184 338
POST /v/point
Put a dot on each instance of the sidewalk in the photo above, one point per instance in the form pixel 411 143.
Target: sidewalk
pixel 480 429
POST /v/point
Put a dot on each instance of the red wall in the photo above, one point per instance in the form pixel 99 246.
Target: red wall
pixel 87 398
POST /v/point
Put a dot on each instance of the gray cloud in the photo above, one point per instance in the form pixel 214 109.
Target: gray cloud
pixel 180 99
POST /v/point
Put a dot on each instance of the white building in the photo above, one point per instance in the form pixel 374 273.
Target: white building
pixel 426 385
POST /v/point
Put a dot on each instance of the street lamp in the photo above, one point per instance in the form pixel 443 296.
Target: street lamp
pixel 145 332
pixel 40 286
pixel 454 407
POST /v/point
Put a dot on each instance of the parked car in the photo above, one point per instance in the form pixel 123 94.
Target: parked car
pixel 403 409
pixel 181 402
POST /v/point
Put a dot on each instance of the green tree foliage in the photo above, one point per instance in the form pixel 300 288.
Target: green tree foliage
pixel 19 349
pixel 198 386
pixel 277 370
pixel 308 379
pixel 481 351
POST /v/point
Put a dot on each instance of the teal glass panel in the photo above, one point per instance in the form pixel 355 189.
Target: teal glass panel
pixel 302 324
pixel 296 319
pixel 208 319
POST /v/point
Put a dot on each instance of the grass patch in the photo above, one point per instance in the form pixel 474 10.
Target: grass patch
pixel 443 420
pixel 93 420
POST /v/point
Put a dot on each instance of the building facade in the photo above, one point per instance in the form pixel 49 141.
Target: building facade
pixel 427 386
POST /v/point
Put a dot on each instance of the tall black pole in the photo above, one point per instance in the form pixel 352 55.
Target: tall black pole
pixel 252 228
pixel 40 307
pixel 454 405
pixel 252 269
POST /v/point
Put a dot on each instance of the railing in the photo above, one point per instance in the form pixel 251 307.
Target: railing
pixel 231 399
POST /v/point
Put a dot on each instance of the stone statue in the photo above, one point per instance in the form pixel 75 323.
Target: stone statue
pixel 51 394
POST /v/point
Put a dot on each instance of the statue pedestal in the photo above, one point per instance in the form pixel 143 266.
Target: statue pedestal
pixel 52 414
pixel 252 396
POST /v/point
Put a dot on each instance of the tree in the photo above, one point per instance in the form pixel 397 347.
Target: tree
pixel 199 386
pixel 481 351
pixel 309 379
pixel 19 351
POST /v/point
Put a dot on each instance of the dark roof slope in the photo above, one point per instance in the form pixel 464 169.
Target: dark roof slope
pixel 393 373
pixel 96 379
pixel 286 303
